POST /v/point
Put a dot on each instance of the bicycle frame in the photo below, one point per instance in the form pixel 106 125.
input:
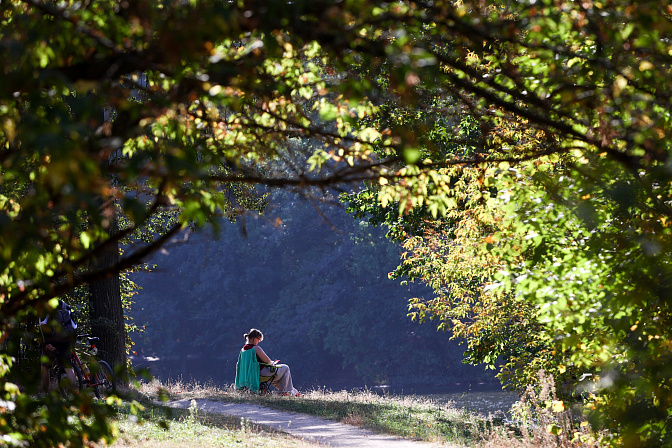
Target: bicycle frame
pixel 98 375
pixel 87 379
pixel 89 371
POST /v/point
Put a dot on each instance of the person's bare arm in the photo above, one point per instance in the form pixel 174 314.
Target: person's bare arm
pixel 262 356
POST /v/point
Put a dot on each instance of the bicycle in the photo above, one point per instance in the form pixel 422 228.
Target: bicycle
pixel 95 374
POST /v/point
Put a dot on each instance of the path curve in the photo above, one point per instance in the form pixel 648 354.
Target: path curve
pixel 327 432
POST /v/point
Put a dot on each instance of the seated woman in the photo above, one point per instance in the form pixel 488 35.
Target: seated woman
pixel 283 377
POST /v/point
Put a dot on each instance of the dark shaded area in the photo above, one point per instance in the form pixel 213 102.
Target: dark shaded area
pixel 317 288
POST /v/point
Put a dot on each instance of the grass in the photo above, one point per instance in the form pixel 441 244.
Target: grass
pixel 156 426
pixel 405 416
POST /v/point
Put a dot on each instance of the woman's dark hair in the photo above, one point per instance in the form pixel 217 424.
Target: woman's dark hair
pixel 254 333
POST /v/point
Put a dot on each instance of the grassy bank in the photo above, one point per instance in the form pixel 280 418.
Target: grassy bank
pixel 411 417
pixel 156 426
pixel 402 416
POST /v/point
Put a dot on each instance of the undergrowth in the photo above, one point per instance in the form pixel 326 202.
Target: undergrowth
pixel 544 421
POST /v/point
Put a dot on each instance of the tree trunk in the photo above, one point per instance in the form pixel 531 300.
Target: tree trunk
pixel 107 314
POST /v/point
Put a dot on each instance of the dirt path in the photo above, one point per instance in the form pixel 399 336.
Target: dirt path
pixel 312 428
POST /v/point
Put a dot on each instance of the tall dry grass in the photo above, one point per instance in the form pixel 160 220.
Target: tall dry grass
pixel 541 420
pixel 178 389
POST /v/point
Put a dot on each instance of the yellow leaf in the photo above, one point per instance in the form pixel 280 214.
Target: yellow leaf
pixel 558 406
pixel 619 84
pixel 86 239
pixel 645 65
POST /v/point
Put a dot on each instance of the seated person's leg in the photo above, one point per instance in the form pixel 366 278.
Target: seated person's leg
pixel 283 379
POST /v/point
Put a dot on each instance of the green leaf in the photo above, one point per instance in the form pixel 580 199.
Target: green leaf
pixel 411 155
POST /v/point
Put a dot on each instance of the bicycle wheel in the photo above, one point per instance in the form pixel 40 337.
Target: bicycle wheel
pixel 104 379
pixel 65 386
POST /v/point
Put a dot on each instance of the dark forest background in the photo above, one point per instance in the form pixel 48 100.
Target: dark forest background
pixel 314 282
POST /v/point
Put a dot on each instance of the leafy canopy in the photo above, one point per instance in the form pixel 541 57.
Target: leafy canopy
pixel 539 207
pixel 537 129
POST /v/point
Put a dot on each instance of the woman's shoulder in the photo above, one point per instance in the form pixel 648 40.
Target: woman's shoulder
pixel 259 350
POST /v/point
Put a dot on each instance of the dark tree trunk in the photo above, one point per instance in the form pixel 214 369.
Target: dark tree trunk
pixel 107 314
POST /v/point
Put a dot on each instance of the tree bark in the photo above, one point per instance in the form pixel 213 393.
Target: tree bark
pixel 107 314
